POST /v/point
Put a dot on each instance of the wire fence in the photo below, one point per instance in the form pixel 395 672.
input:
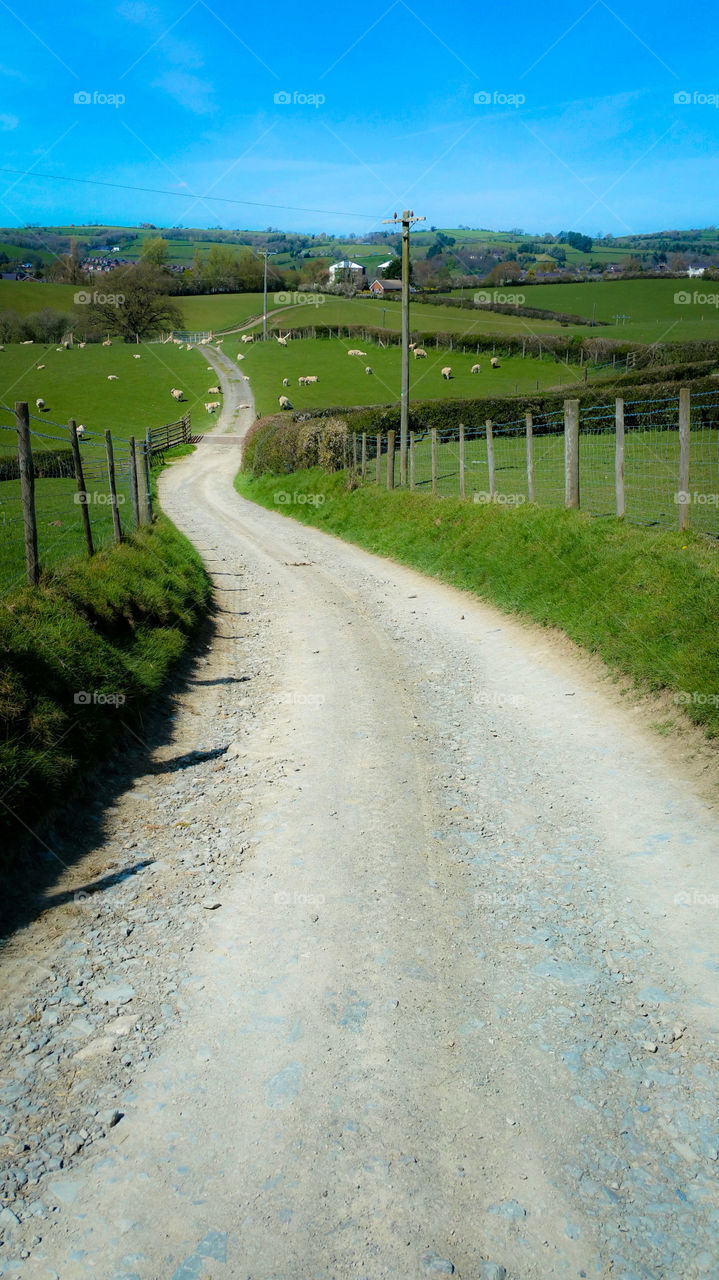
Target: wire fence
pixel 67 492
pixel 653 462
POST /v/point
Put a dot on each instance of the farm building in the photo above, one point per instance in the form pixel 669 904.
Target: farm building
pixel 346 270
pixel 381 287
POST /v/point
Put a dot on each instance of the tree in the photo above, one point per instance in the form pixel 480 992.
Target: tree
pixel 154 250
pixel 393 271
pixel 136 305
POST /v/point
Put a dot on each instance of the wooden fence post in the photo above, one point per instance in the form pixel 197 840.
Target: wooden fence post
pixel 571 453
pixel 81 489
pixel 490 462
pixel 390 459
pixel 132 461
pixel 434 460
pixel 411 462
pixel 378 463
pixel 27 491
pixel 619 459
pixel 142 493
pixel 116 526
pixel 364 456
pixel 530 456
pixel 461 460
pixel 354 454
pixel 684 443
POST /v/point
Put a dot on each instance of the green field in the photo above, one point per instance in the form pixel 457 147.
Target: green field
pixel 219 311
pixel 343 381
pixel 25 296
pixel 425 317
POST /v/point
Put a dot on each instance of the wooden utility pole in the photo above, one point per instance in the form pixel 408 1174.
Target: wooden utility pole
pixel 27 491
pixel 81 487
pixel 407 220
pixel 265 254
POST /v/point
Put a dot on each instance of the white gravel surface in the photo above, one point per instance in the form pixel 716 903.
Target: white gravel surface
pixel 398 959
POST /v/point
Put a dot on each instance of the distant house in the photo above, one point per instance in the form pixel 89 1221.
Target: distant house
pixel 380 287
pixel 696 271
pixel 347 270
pixel 382 266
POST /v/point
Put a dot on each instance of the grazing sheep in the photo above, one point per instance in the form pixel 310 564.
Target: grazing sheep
pixel 247 337
pixel 107 343
pixel 355 352
pixel 476 368
pixel 81 344
pixel 216 404
pixel 301 382
pixel 27 343
pixel 282 342
pixel 284 403
pixel 447 373
pixel 494 362
pixel 112 377
pixel 41 366
pixel 412 346
pixel 176 393
pixel 2 348
pixel 420 353
pixel 58 348
pixel 209 408
pixel 137 357
pixel 367 369
pixel 213 391
pixel 39 404
pixel 188 347
pixel 285 382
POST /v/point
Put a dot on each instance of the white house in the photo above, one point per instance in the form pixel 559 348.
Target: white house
pixel 696 271
pixel 346 270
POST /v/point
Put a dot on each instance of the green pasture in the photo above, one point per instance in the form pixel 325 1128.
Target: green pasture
pixel 343 381
pixel 26 296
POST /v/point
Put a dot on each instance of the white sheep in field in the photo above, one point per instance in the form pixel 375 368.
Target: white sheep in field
pixel 213 391
pixel 80 431
pixel 368 369
pixel 447 373
pixel 209 408
pixel 301 382
pixel 112 377
pixel 107 343
pixel 412 346
pixel 284 403
pixel 420 353
pixel 355 352
pixel 311 377
pixel 176 393
pixel 59 348
pixel 188 347
pixel 40 404
pixel 285 382
pixel 216 404
pixel 476 368
pixel 494 362
pixel 27 342
pixel 41 366
pixel 81 344
pixel 282 342
pixel 247 337
pixel 136 357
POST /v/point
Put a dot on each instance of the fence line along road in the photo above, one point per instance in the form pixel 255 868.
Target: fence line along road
pixel 66 493
pixel 651 462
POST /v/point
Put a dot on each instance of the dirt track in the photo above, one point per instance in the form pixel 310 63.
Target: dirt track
pixel 458 1006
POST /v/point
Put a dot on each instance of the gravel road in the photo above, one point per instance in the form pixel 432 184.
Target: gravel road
pixel 396 958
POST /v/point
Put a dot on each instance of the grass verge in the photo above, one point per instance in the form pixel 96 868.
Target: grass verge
pixel 645 601
pixel 80 657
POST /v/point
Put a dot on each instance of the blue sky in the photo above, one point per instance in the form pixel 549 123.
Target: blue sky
pixel 581 130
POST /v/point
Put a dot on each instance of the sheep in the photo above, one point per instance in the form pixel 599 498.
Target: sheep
pixel 247 337
pixel 282 342
pixel 213 391
pixel 40 404
pixel 367 369
pixel 412 346
pixel 112 377
pixel 176 393
pixel 40 366
pixel 420 353
pixel 494 362
pixel 216 404
pixel 284 403
pixel 209 408
pixel 188 347
pixel 476 368
pixel 137 357
pixel 285 382
pixel 447 373
pixel 80 431
pixel 58 348
pixel 81 344
pixel 107 343
pixel 27 343
pixel 355 352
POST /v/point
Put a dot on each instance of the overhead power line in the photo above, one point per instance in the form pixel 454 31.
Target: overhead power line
pixel 160 191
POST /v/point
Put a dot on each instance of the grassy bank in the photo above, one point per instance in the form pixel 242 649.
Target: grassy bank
pixel 645 601
pixel 81 655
